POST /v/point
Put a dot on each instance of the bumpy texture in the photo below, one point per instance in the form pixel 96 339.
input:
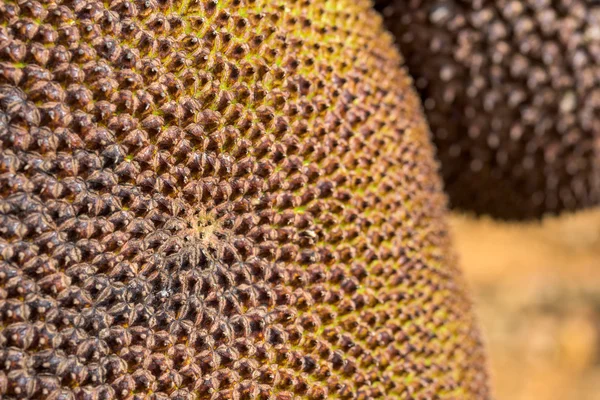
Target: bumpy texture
pixel 224 200
pixel 511 90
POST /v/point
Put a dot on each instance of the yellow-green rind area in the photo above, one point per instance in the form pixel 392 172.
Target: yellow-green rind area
pixel 220 200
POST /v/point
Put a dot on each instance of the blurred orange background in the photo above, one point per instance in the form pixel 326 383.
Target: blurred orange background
pixel 536 288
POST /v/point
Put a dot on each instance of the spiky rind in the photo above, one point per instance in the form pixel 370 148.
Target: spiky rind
pixel 231 199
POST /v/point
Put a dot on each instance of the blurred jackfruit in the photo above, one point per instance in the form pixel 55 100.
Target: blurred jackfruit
pixel 511 90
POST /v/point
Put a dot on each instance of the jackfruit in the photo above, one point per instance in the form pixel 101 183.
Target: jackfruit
pixel 211 199
pixel 512 94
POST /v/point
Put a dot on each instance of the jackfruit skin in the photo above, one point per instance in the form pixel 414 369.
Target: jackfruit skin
pixel 221 200
pixel 511 90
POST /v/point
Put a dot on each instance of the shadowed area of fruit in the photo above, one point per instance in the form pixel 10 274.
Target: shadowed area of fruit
pixel 511 91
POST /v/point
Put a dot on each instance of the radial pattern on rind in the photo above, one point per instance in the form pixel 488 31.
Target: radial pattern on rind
pixel 511 90
pixel 220 200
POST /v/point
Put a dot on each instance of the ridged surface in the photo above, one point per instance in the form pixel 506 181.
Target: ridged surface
pixel 224 200
pixel 511 90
